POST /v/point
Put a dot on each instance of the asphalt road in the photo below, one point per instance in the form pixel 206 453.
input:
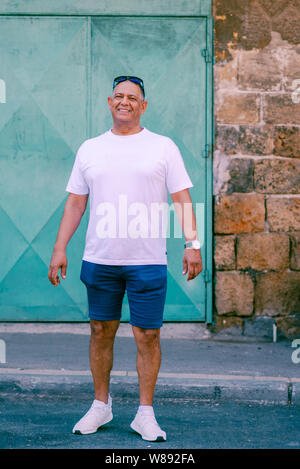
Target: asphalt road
pixel 43 419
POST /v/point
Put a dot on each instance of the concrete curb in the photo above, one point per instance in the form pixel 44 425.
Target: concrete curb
pixel 268 390
pixel 168 331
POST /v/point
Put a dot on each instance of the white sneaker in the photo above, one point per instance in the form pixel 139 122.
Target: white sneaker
pixel 95 417
pixel 147 427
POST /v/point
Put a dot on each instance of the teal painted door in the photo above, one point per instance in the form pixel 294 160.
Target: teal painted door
pixel 56 74
pixel 42 122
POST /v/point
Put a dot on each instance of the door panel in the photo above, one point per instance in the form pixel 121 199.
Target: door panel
pixel 58 73
pixel 42 122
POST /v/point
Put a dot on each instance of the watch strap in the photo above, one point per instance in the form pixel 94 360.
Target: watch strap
pixel 190 244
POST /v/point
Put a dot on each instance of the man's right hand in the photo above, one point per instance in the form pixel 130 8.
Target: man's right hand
pixel 58 261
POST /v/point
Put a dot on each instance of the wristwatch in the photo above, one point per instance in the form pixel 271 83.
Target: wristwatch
pixel 195 244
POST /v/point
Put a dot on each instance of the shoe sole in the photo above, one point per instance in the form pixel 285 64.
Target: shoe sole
pixel 137 430
pixel 78 432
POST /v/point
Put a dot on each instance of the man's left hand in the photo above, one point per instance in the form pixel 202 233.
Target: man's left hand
pixel 192 263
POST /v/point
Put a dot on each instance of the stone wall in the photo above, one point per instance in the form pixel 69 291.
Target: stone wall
pixel 257 166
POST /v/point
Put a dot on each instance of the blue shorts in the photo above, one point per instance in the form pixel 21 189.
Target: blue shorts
pixel 146 287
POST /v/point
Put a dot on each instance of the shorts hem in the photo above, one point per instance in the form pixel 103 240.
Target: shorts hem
pixel 102 318
pixel 143 326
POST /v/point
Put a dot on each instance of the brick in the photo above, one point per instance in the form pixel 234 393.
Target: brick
pixel 239 213
pixel 260 251
pixel 259 70
pixel 224 252
pixel 256 139
pixel 228 19
pixel 259 327
pixel 229 324
pixel 237 108
pixel 287 141
pixel 287 23
pixel 283 213
pixel 225 74
pixel 256 27
pixel 272 7
pixel 280 109
pixel 240 24
pixel 241 175
pixel 291 67
pixel 234 293
pixel 290 327
pixel 277 293
pixel 245 139
pixel 227 139
pixel 295 251
pixel 277 176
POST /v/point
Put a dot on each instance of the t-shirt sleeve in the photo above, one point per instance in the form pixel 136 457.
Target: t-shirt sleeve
pixel 177 177
pixel 77 184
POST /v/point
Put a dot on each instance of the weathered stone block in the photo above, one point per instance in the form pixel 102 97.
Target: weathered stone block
pixel 280 109
pixel 241 175
pixel 232 325
pixel 295 250
pixel 287 23
pixel 234 293
pixel 227 139
pixel 283 213
pixel 225 74
pixel 272 7
pixel 260 251
pixel 291 67
pixel 287 141
pixel 224 252
pixel 245 139
pixel 259 70
pixel 239 213
pixel 289 326
pixel 277 293
pixel 237 108
pixel 221 176
pixel 259 327
pixel 256 28
pixel 256 140
pixel 277 176
pixel 240 24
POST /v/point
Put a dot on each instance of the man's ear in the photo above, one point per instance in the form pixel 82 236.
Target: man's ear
pixel 144 104
pixel 109 99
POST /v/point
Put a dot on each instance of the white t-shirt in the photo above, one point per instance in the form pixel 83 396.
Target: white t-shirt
pixel 128 179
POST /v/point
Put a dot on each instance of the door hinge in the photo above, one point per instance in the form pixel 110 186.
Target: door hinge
pixel 208 148
pixel 206 276
pixel 206 55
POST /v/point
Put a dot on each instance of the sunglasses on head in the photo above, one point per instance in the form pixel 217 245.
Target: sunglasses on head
pixel 136 80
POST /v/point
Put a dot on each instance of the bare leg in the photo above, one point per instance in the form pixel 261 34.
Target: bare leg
pixel 101 355
pixel 148 361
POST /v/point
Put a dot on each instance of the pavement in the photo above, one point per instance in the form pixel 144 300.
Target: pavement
pixel 214 367
pixel 219 390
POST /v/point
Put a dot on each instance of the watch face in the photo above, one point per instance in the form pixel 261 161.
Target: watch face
pixel 196 245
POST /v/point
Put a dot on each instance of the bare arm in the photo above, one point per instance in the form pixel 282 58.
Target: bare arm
pixel 74 209
pixel 192 261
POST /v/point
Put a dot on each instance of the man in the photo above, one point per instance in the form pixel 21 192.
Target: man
pixel 129 164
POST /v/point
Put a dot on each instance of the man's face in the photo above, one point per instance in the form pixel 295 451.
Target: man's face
pixel 127 103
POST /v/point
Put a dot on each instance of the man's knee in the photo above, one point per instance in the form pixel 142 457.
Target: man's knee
pixel 103 330
pixel 147 336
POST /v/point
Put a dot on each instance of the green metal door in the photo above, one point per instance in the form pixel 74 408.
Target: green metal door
pixel 56 73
